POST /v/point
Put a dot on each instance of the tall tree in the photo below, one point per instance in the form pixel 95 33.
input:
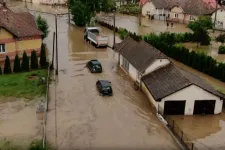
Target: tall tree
pixel 43 60
pixel 200 27
pixel 7 67
pixel 16 67
pixel 34 60
pixel 25 62
pixel 42 25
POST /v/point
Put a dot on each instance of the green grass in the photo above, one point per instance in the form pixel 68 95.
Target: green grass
pixel 19 85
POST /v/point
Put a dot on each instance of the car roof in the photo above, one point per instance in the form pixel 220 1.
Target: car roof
pixel 92 28
pixel 96 62
pixel 105 82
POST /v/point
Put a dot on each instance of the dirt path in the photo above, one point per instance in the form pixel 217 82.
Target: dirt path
pixel 18 122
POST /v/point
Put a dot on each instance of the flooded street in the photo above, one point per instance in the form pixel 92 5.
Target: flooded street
pixel 78 117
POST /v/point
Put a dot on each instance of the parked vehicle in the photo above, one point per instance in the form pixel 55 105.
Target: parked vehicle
pixel 94 66
pixel 93 35
pixel 104 87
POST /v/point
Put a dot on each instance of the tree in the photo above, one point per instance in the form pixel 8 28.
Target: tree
pixel 7 67
pixel 25 62
pixel 34 60
pixel 81 14
pixel 108 6
pixel 200 27
pixel 43 26
pixel 43 61
pixel 16 67
pixel 221 38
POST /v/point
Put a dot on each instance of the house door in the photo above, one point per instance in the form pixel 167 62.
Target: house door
pixel 204 107
pixel 174 107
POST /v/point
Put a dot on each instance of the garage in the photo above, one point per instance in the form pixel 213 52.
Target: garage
pixel 174 107
pixel 204 107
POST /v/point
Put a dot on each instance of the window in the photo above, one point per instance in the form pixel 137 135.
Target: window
pixel 2 48
pixel 192 18
pixel 176 15
pixel 125 64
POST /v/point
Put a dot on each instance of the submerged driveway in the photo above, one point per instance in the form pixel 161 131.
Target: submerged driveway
pixel 85 120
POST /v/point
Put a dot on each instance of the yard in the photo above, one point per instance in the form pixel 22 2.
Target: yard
pixel 23 85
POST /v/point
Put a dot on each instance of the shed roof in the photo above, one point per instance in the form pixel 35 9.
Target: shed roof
pixel 169 79
pixel 139 54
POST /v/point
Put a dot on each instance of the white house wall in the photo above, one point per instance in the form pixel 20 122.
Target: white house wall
pixel 220 17
pixel 133 73
pixel 190 94
pixel 148 7
pixel 156 65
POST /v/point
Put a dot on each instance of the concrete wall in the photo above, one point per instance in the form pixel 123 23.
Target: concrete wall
pixel 190 94
pixel 220 19
pixel 156 65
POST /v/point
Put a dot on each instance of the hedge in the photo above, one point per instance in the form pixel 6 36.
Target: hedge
pixel 165 42
pixel 221 49
pixel 129 9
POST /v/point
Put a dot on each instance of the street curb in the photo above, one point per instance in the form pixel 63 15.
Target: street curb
pixel 161 119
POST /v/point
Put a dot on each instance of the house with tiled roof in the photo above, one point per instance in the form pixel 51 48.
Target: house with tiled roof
pixel 182 11
pixel 185 11
pixel 18 33
pixel 170 90
pixel 220 18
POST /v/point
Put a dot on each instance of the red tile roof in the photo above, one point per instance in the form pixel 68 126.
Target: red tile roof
pixel 20 25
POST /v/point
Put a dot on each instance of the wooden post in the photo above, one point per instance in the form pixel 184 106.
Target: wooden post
pixel 56 44
pixel 53 51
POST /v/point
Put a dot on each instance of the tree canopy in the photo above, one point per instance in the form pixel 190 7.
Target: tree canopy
pixel 42 25
pixel 84 10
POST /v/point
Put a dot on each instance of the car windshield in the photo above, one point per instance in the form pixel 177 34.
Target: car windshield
pixel 97 66
pixel 107 88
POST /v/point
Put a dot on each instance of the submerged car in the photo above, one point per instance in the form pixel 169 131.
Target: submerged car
pixel 94 66
pixel 104 87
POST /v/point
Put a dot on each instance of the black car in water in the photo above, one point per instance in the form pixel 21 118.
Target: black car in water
pixel 104 87
pixel 94 66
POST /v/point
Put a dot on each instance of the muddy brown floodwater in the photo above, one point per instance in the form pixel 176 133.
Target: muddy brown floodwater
pixel 85 120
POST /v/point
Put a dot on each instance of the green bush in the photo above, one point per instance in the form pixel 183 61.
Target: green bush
pixel 221 49
pixel 16 67
pixel 7 68
pixel 220 38
pixel 130 9
pixel 43 61
pixel 34 60
pixel 25 62
pixel 38 145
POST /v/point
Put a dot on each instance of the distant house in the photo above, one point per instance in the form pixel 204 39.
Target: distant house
pixel 18 33
pixel 220 18
pixel 170 90
pixel 139 58
pixel 158 9
pixel 185 11
pixel 176 92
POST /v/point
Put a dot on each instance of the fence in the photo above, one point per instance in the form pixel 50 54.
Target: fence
pixel 46 108
pixel 182 137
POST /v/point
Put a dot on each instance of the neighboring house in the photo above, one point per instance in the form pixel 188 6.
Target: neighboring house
pixel 185 11
pixel 47 2
pixel 158 9
pixel 220 18
pixel 176 92
pixel 139 58
pixel 124 2
pixel 18 33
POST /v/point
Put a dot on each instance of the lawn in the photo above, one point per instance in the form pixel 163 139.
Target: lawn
pixel 26 85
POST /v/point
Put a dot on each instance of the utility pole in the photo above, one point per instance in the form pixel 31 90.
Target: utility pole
pixel 53 51
pixel 56 29
pixel 140 13
pixel 215 16
pixel 114 29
